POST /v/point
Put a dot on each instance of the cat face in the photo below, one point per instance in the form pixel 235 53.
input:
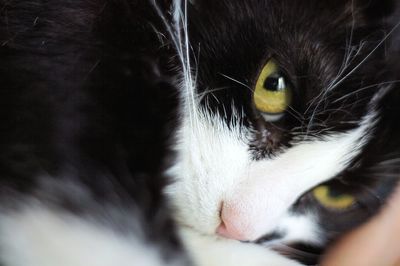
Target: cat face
pixel 288 120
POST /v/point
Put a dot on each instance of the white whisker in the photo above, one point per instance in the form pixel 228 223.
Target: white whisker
pixel 365 88
pixel 237 81
pixel 367 56
pixel 179 35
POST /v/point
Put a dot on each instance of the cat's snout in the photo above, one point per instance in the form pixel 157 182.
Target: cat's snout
pixel 232 226
pixel 249 213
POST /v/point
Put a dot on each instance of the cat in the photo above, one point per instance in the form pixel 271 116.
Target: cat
pixel 289 135
pixel 193 132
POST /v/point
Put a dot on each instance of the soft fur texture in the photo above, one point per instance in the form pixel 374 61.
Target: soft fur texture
pixel 111 109
pixel 340 130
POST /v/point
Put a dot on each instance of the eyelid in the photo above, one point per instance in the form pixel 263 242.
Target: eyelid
pixel 272 117
pixel 341 202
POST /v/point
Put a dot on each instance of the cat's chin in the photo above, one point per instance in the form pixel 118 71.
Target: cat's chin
pixel 212 250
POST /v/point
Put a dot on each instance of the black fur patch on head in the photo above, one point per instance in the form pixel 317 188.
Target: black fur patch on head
pixel 86 98
pixel 331 67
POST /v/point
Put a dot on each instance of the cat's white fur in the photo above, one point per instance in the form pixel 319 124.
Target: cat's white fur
pixel 302 227
pixel 38 236
pixel 215 167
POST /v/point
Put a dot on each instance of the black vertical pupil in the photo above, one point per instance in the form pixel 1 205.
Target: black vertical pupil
pixel 272 82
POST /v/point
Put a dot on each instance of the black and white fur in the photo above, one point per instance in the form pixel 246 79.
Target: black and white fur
pixel 109 108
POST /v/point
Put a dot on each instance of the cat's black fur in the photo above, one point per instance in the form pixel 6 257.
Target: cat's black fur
pixel 85 102
pixel 87 98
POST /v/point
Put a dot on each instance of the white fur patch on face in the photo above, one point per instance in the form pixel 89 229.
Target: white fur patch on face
pixel 299 228
pixel 212 159
pixel 215 167
pixel 40 237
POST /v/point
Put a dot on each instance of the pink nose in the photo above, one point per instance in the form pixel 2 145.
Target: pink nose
pixel 233 225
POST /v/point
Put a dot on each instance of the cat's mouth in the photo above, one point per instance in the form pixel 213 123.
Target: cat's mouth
pixel 304 253
pixel 307 254
pixel 269 238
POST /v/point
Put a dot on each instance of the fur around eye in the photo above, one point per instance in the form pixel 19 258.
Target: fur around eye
pixel 326 198
pixel 272 94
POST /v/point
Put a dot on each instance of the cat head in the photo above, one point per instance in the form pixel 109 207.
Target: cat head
pixel 288 131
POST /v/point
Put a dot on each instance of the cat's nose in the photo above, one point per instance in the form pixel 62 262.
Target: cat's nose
pixel 232 224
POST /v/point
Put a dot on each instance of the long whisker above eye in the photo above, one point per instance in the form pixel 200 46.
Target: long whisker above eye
pixel 200 96
pixel 321 97
pixel 337 110
pixel 390 161
pixel 365 88
pixel 237 81
pixel 349 56
pixel 367 56
pixel 340 78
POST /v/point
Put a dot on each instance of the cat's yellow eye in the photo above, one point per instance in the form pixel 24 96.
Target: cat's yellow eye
pixel 272 91
pixel 329 200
